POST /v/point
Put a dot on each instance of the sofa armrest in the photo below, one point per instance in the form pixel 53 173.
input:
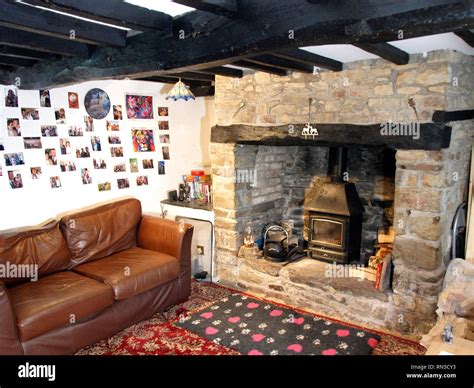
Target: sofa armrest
pixel 9 342
pixel 172 238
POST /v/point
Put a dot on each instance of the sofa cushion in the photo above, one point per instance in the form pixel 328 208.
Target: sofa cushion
pixel 102 231
pixel 133 271
pixel 43 246
pixel 55 301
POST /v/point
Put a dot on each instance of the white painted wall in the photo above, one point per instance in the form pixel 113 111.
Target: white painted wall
pixel 190 124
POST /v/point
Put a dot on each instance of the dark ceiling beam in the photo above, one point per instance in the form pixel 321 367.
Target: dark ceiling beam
pixel 195 76
pixel 309 58
pixel 41 43
pixel 281 63
pixel 386 51
pixel 118 13
pixel 12 61
pixel 17 52
pixel 26 18
pixel 260 67
pixel 173 80
pixel 223 71
pixel 263 27
pixel 227 8
pixel 467 36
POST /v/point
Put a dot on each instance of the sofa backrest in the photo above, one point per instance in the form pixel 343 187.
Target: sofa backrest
pixel 33 251
pixel 102 231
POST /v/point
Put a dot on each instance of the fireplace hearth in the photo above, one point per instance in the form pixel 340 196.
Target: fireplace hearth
pixel 335 215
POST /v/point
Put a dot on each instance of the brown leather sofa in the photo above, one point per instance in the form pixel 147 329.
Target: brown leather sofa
pixel 100 271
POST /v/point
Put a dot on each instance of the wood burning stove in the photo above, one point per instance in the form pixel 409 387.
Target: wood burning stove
pixel 335 215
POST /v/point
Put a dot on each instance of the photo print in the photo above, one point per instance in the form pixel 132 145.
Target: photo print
pixel 95 142
pixel 50 156
pixel 65 146
pixel 73 100
pixel 115 140
pixel 75 130
pixel 112 125
pixel 11 97
pixel 67 165
pixel 2 147
pixel 85 176
pixel 99 164
pixel 13 127
pixel 120 167
pixel 148 163
pixel 123 183
pixel 116 152
pixel 29 114
pixel 163 125
pixel 166 152
pixel 60 115
pixel 161 168
pixel 139 107
pixel 15 179
pixel 117 109
pixel 14 159
pixel 55 182
pixel 83 152
pixel 142 180
pixel 97 103
pixel 104 186
pixel 35 172
pixel 89 122
pixel 1 170
pixel 162 111
pixel 165 139
pixel 32 143
pixel 143 140
pixel 49 130
pixel 133 165
pixel 45 99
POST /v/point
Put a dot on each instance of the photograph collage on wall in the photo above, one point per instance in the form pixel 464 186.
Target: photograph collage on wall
pixel 79 147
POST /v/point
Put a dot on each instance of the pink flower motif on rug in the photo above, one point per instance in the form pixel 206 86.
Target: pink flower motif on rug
pixel 297 348
pixel 342 333
pixel 211 330
pixel 329 352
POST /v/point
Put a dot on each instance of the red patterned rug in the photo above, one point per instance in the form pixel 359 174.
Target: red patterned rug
pixel 162 334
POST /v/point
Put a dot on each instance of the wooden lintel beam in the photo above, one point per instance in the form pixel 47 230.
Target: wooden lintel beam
pixel 17 52
pixel 195 76
pixel 41 43
pixel 223 71
pixel 12 61
pixel 227 8
pixel 309 58
pixel 385 51
pixel 24 17
pixel 112 12
pixel 259 67
pixel 281 63
pixel 173 80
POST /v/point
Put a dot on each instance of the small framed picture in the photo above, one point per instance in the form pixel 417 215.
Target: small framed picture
pixel 35 172
pixel 162 111
pixel 123 183
pixel 148 163
pixel 99 164
pixel 14 159
pixel 133 165
pixel 161 168
pixel 104 186
pixel 117 109
pixel 16 182
pixel 142 180
pixel 45 99
pixel 85 176
pixel 55 182
pixel 116 152
pixel 29 114
pixel 13 127
pixel 11 97
pixel 163 125
pixel 73 100
pixel 31 143
pixel 49 130
pixel 60 114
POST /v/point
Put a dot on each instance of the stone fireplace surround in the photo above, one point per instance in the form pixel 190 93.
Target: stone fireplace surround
pixel 420 198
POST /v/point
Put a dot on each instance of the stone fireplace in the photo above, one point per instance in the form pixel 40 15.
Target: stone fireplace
pixel 265 170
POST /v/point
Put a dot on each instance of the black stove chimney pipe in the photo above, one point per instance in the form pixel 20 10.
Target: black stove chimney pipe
pixel 337 164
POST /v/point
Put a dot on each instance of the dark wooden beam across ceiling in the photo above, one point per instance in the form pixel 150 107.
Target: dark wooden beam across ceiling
pixel 118 13
pixel 260 67
pixel 223 71
pixel 12 61
pixel 41 43
pixel 17 52
pixel 173 80
pixel 467 36
pixel 262 26
pixel 309 58
pixel 27 18
pixel 386 51
pixel 281 63
pixel 227 8
pixel 194 76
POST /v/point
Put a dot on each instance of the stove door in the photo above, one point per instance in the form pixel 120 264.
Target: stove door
pixel 328 232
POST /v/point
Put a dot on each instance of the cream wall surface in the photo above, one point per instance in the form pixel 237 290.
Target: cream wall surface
pixel 36 201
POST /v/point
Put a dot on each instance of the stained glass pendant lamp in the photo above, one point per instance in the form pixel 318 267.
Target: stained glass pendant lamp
pixel 180 92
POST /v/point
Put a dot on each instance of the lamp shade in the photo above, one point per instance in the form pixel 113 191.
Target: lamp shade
pixel 180 92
